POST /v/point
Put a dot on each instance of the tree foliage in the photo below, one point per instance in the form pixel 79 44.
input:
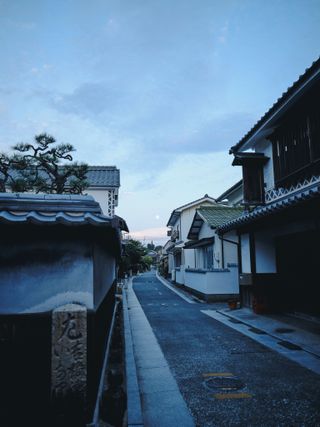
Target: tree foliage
pixel 134 258
pixel 38 167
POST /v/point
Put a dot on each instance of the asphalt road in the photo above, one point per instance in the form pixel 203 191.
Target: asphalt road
pixel 226 378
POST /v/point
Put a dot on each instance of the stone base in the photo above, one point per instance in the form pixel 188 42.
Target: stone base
pixel 209 297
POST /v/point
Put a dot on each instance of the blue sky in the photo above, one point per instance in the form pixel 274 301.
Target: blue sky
pixel 160 89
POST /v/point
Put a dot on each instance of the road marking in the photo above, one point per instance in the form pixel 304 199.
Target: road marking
pixel 218 374
pixel 223 396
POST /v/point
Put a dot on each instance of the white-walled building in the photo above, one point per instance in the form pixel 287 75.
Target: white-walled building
pixel 179 222
pixel 233 196
pixel 104 183
pixel 214 276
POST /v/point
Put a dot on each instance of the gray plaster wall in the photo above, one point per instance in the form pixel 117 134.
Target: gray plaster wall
pixel 104 273
pixel 39 276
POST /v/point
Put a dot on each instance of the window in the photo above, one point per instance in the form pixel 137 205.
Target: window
pixel 208 257
pixel 296 145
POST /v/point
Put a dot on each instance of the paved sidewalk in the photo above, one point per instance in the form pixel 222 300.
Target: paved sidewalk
pixel 280 327
pixel 277 332
pixel 161 401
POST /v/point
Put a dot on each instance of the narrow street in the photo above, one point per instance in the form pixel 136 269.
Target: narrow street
pixel 226 378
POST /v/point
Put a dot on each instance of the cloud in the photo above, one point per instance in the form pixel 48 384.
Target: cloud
pixel 87 100
pixel 150 131
pixel 158 233
pixel 187 178
pixel 223 34
pixel 22 25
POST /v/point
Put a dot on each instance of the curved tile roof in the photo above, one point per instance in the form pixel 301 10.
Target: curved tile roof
pixel 311 72
pixel 97 176
pixel 50 209
pixel 270 209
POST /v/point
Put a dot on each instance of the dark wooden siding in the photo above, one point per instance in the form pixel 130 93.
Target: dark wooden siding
pixel 296 143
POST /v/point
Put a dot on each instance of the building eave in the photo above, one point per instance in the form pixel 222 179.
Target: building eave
pixel 266 123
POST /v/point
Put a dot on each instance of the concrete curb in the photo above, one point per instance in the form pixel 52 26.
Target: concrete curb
pixel 134 410
pixel 161 399
pixel 176 291
pixel 266 331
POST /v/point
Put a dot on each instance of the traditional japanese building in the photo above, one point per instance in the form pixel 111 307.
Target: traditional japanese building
pixel 279 235
pixel 214 275
pixel 58 270
pixel 103 185
pixel 179 222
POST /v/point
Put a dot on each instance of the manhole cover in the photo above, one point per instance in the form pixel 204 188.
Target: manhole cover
pixel 284 330
pixel 223 383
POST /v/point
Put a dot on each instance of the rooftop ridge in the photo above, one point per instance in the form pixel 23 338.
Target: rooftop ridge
pixel 314 68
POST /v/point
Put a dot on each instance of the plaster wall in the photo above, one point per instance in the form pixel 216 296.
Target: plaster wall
pixel 37 276
pixel 230 249
pixel 245 254
pixel 189 258
pixel 265 147
pixel 104 273
pixel 179 276
pixel 196 281
pixel 186 219
pixel 101 196
pixel 236 197
pixel 265 252
pixel 214 282
pixel 206 231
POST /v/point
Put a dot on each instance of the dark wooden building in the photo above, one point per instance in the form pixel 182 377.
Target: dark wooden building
pixel 279 235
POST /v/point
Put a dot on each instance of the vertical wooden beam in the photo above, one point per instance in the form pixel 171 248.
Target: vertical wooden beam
pixel 239 254
pixel 252 253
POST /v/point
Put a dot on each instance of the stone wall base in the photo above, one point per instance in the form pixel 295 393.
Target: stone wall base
pixel 209 297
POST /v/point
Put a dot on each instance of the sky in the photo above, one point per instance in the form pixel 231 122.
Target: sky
pixel 160 88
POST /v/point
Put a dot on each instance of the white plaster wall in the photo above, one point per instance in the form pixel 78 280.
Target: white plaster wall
pixel 213 282
pixel 170 262
pixel 265 252
pixel 230 249
pixel 196 281
pixel 101 197
pixel 187 216
pixel 245 254
pixel 179 276
pixel 189 258
pixel 225 282
pixel 265 147
pixel 206 231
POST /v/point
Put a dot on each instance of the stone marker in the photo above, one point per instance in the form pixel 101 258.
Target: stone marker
pixel 69 360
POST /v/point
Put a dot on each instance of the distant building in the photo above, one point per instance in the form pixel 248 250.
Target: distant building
pixel 179 222
pixel 233 196
pixel 214 274
pixel 104 184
